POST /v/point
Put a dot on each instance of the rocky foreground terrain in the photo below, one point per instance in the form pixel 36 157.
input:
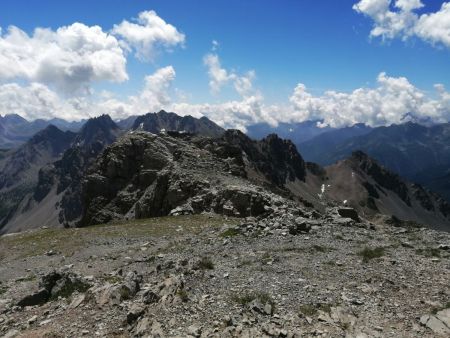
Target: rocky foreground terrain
pixel 291 274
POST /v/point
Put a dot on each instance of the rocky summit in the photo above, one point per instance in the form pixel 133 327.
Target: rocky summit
pixel 178 234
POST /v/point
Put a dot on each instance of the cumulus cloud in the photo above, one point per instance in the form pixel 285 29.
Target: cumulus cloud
pixel 149 32
pixel 35 101
pixel 398 18
pixel 153 97
pixel 394 100
pixel 236 114
pixel 435 27
pixel 70 58
pixel 219 77
pixel 38 101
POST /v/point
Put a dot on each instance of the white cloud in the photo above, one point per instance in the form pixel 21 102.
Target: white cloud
pixel 232 114
pixel 394 100
pixel 219 77
pixel 409 5
pixel 38 101
pixel 70 58
pixel 215 45
pixel 435 27
pixel 398 19
pixel 153 97
pixel 147 34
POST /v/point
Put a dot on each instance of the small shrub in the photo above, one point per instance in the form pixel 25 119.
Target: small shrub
pixel 266 258
pixel 437 309
pixel 69 288
pixel 124 293
pixel 308 310
pixel 182 293
pixel 247 298
pixel 205 264
pixel 368 253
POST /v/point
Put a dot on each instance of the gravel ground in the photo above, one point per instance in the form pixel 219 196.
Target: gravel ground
pixel 207 276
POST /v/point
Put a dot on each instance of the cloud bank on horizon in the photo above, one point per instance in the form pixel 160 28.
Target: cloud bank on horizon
pixel 51 73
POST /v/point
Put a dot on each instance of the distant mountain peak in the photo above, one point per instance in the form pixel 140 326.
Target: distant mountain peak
pixel 58 139
pixel 157 121
pixel 98 129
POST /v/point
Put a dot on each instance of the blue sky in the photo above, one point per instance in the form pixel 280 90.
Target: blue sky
pixel 325 45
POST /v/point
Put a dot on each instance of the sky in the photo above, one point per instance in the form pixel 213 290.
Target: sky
pixel 237 62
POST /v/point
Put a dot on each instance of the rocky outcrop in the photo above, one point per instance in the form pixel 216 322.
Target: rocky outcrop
pixel 273 157
pixel 145 175
pixel 383 177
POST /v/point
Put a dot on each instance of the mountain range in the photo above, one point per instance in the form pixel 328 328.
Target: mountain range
pixel 15 130
pixel 167 164
pixel 419 153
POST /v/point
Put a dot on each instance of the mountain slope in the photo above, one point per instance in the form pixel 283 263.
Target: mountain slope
pixel 55 199
pixel 413 151
pixel 313 150
pixel 19 168
pixel 372 189
pixel 155 122
pixel 15 130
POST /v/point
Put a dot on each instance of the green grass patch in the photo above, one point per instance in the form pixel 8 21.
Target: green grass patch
pixel 230 233
pixel 429 252
pixel 245 262
pixel 246 298
pixel 28 278
pixel 310 310
pixel 37 242
pixel 321 248
pixel 368 254
pixel 69 288
pixel 112 279
pixel 437 309
pixel 290 248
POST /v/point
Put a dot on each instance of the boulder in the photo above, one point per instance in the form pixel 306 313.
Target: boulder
pixel 299 226
pixel 53 285
pixel 349 213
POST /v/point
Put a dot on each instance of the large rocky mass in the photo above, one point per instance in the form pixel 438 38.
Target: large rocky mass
pixel 145 175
